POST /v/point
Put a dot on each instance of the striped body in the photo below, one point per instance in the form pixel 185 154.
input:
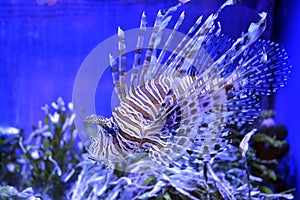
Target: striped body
pixel 139 115
pixel 142 127
pixel 177 110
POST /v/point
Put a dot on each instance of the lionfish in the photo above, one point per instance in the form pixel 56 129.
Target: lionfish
pixel 176 107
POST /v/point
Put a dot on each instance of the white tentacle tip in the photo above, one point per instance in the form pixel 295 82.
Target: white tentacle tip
pixel 159 14
pixel 120 31
pixel 143 14
pixel 263 15
pixel 182 15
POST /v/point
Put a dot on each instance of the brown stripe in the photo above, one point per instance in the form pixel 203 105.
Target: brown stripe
pixel 145 140
pixel 127 121
pixel 118 147
pixel 138 108
pixel 148 94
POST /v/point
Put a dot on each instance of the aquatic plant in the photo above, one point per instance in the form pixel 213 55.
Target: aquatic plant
pixel 270 157
pixel 46 159
pixel 227 179
pixel 10 192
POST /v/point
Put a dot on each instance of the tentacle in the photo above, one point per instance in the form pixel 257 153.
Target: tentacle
pixel 122 63
pixel 138 54
pixel 167 67
pixel 161 56
pixel 151 48
pixel 186 56
pixel 115 76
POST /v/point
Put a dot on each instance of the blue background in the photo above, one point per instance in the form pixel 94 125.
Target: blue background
pixel 42 47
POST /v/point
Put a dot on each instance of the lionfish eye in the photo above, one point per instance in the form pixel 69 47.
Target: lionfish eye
pixel 109 130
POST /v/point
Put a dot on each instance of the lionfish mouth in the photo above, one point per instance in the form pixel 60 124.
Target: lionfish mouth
pixel 175 105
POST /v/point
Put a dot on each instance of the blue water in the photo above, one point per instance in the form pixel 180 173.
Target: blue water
pixel 42 48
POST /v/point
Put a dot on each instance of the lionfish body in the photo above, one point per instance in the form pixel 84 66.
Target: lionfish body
pixel 178 109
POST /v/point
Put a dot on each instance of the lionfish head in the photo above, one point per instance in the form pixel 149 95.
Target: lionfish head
pixel 107 125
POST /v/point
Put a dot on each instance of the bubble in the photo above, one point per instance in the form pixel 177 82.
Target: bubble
pixel 51 2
